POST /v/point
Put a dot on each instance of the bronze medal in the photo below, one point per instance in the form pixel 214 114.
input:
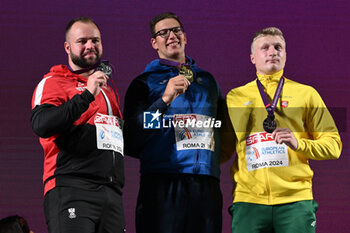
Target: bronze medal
pixel 269 124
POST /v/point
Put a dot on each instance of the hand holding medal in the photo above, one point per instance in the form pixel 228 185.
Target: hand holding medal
pixel 184 69
pixel 103 72
pixel 178 84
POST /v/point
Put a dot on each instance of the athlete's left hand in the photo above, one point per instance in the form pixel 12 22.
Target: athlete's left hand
pixel 284 135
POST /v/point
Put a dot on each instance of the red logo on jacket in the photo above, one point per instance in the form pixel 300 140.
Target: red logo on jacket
pixel 284 104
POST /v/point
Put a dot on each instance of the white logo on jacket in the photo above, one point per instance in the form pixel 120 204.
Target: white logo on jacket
pixel 71 212
pixel 248 103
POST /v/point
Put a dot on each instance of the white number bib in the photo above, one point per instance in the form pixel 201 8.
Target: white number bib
pixel 193 131
pixel 262 151
pixel 109 133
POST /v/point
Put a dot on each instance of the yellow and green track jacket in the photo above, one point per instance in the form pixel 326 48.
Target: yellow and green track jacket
pixel 301 109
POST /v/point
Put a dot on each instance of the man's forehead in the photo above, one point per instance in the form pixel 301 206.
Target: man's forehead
pixel 84 30
pixel 269 39
pixel 166 23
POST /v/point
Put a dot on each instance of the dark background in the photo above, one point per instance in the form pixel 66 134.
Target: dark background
pixel 219 34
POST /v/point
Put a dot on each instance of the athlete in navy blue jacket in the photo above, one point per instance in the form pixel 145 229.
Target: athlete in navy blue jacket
pixel 171 125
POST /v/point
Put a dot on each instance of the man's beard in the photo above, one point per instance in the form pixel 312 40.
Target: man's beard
pixel 82 62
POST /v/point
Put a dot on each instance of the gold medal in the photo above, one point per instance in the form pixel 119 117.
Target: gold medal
pixel 187 72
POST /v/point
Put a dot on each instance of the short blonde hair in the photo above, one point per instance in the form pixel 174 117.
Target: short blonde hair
pixel 269 31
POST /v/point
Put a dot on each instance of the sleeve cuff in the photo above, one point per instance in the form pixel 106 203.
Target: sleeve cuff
pixel 86 95
pixel 301 145
pixel 159 104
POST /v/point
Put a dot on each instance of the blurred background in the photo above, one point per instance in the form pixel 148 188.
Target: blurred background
pixel 219 34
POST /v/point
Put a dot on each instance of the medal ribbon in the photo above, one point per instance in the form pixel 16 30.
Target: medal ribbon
pixel 85 69
pixel 172 63
pixel 184 69
pixel 270 107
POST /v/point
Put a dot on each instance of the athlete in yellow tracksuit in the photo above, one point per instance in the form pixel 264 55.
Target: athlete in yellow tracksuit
pixel 271 171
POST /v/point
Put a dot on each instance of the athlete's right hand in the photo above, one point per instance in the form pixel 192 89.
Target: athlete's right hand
pixel 95 81
pixel 175 87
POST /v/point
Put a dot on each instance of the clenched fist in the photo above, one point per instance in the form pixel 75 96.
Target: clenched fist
pixel 96 81
pixel 175 87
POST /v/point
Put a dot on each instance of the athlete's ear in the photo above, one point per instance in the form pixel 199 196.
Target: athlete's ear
pixel 67 47
pixel 154 43
pixel 252 59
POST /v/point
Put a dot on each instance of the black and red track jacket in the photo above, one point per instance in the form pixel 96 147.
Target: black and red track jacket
pixel 63 113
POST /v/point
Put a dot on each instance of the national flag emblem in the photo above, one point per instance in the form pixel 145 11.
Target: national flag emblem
pixel 284 104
